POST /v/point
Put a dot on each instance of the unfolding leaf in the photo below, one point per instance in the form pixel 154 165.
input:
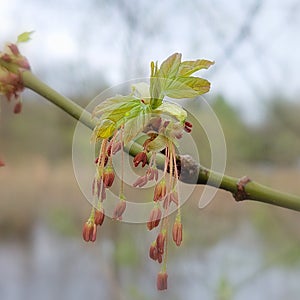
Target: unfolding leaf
pixel 135 125
pixel 188 67
pixel 117 102
pixel 172 109
pixel 24 37
pixel 103 130
pixel 141 90
pixel 187 87
pixel 170 66
pixel 124 111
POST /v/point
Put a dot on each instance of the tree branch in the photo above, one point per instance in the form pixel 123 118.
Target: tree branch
pixel 190 171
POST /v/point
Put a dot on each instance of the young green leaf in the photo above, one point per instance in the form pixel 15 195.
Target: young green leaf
pixel 187 68
pixel 103 130
pixel 135 125
pixel 170 66
pixel 141 90
pixel 173 110
pixel 122 103
pixel 173 79
pixel 24 37
pixel 187 87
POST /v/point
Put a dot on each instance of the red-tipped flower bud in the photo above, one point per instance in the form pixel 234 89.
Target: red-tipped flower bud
pixel 160 242
pixel 99 216
pixel 141 181
pixel 152 173
pixel 18 107
pixel 113 148
pixel 160 190
pixel 162 281
pixel 153 252
pixel 108 177
pixel 177 233
pixel 119 210
pixel 89 231
pixel 154 219
pixel 141 157
pixel 188 126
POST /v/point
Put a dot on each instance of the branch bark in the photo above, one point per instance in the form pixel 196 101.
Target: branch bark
pixel 190 171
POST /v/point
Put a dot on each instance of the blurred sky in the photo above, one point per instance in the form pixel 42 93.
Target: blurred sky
pixel 79 45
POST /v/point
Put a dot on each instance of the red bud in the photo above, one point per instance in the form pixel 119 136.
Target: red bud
pixel 154 219
pixel 141 157
pixel 177 233
pixel 99 216
pixel 119 210
pixel 162 281
pixel 160 241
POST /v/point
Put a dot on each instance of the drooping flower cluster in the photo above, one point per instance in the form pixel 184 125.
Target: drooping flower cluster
pixel 11 83
pixel 160 133
pixel 12 64
pixel 144 112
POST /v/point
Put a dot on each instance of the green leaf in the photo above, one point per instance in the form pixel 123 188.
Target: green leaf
pixel 141 90
pixel 187 68
pixel 187 87
pixel 103 130
pixel 118 102
pixel 170 66
pixel 117 111
pixel 122 112
pixel 173 79
pixel 172 109
pixel 24 37
pixel 135 125
pixel 167 70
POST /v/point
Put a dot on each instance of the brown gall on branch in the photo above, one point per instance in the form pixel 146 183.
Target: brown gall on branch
pixel 241 189
pixel 241 194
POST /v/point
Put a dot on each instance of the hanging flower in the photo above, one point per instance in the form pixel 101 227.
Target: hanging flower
pixel 11 82
pixel 154 218
pixel 144 112
pixel 162 281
